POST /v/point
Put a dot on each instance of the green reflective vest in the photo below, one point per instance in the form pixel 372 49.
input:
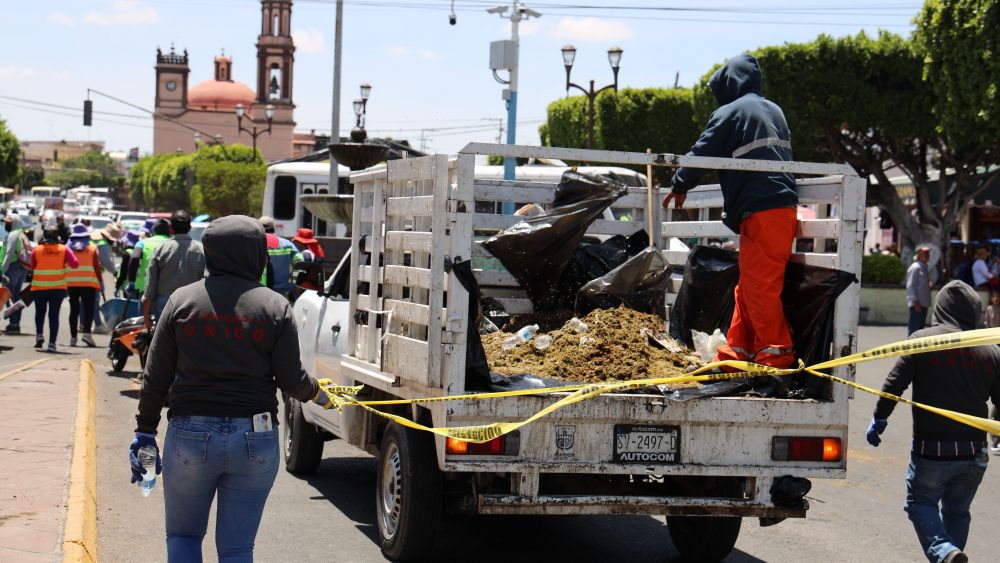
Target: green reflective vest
pixel 149 246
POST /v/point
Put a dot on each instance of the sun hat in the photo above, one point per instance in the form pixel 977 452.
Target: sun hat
pixel 305 236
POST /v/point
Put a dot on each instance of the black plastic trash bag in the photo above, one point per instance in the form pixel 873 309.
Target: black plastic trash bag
pixel 477 369
pixel 593 260
pixel 536 251
pixel 705 302
pixel 639 284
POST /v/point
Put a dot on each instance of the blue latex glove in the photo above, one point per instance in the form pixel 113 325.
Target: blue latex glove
pixel 876 427
pixel 141 440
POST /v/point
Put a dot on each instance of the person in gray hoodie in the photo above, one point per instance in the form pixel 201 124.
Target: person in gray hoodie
pixel 948 458
pixel 222 348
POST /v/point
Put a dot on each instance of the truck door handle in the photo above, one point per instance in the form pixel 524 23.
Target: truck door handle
pixel 335 328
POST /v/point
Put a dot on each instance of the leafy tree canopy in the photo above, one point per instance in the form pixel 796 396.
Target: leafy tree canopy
pixel 10 155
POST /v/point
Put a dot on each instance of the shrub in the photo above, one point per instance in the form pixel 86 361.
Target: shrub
pixel 882 268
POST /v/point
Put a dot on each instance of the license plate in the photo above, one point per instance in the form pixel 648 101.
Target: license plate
pixel 636 443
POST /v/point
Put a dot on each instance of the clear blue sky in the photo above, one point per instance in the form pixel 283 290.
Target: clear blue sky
pixel 425 73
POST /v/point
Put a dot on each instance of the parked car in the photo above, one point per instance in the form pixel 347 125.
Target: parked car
pixel 96 221
pixel 198 229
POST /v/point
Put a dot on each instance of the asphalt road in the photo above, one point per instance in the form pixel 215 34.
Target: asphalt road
pixel 330 516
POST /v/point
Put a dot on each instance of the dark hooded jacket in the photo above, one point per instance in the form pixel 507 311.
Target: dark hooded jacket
pixel 959 380
pixel 224 345
pixel 749 126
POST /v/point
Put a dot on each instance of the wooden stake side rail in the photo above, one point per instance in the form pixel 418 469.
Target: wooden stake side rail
pixel 416 213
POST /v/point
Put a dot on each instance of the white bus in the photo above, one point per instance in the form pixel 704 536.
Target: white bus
pixel 288 181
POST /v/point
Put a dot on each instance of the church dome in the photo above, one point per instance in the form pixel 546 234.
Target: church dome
pixel 220 95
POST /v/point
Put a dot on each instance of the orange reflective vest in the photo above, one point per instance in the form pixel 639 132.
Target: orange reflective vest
pixel 50 267
pixel 84 275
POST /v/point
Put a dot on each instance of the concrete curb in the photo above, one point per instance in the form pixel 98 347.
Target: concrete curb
pixel 80 535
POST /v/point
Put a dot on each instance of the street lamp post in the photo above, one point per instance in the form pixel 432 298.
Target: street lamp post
pixel 615 58
pixel 241 111
pixel 358 134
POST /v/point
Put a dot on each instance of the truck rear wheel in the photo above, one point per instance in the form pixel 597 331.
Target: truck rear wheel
pixel 303 442
pixel 704 538
pixel 408 493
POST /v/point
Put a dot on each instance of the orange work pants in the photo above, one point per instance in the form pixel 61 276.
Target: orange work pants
pixel 759 331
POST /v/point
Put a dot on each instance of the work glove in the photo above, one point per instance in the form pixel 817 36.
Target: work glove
pixel 326 399
pixel 876 428
pixel 141 440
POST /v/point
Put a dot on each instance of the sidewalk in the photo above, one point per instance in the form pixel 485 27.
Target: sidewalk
pixel 38 402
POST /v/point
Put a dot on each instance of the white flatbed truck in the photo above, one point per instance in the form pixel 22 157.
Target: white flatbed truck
pixel 412 219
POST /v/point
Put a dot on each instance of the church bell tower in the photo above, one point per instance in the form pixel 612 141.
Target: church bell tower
pixel 275 59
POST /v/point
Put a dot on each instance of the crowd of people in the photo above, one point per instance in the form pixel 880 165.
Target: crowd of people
pixel 148 266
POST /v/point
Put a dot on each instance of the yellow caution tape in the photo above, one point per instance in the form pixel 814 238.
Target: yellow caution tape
pixel 483 433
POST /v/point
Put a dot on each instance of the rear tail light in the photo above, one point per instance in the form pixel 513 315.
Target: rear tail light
pixel 805 448
pixel 501 445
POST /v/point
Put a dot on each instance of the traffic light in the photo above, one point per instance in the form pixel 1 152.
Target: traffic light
pixel 88 113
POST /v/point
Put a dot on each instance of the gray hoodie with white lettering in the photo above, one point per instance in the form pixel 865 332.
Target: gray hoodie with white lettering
pixel 224 345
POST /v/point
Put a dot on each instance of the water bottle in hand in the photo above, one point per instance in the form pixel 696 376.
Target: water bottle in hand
pixel 147 458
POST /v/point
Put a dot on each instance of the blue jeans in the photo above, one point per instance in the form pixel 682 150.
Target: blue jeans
pixel 16 274
pixel 158 304
pixel 205 455
pixel 938 496
pixel 917 320
pixel 48 300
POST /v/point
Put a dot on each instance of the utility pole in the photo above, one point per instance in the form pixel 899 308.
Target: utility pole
pixel 335 113
pixel 504 55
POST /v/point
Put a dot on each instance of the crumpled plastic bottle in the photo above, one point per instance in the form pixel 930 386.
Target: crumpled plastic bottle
pixel 576 325
pixel 542 341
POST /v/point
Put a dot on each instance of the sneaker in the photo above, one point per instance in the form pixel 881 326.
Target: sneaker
pixel 995 450
pixel 13 329
pixel 52 346
pixel 88 340
pixel 39 341
pixel 72 341
pixel 103 329
pixel 956 556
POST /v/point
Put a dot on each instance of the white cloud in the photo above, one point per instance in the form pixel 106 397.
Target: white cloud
pixel 62 19
pixel 309 41
pixel 124 12
pixel 592 30
pixel 406 52
pixel 531 27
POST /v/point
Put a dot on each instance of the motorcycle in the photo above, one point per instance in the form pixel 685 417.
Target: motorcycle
pixel 129 338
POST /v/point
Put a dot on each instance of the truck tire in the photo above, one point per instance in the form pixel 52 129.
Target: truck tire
pixel 408 493
pixel 303 441
pixel 704 538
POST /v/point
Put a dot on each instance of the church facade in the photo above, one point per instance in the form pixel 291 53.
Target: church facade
pixel 211 106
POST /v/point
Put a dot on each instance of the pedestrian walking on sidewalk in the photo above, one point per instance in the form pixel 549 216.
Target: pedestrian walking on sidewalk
pixel 222 348
pixel 918 290
pixel 948 458
pixel 760 206
pixel 50 261
pixel 83 283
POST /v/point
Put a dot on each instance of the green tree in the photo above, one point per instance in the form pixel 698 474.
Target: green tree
pixel 631 119
pixel 10 155
pixel 32 175
pixel 93 168
pixel 228 181
pixel 228 188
